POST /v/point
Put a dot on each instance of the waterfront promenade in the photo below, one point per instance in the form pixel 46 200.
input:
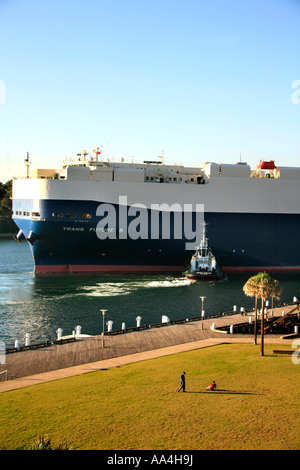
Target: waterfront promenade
pixel 86 354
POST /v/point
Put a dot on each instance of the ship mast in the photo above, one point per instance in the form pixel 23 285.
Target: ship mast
pixel 204 239
pixel 27 163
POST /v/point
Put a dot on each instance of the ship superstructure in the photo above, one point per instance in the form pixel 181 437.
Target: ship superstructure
pixel 96 215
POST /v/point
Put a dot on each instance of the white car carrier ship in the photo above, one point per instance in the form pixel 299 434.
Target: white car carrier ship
pixel 102 216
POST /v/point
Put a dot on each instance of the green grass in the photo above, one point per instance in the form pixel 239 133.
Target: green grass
pixel 137 406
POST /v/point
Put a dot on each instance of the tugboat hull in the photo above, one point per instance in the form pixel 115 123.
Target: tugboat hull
pixel 203 275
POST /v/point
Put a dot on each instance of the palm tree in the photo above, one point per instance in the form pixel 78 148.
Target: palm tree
pixel 261 286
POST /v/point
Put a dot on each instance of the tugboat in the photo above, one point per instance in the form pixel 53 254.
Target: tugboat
pixel 203 264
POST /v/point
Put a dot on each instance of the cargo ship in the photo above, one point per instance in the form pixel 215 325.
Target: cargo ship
pixel 97 215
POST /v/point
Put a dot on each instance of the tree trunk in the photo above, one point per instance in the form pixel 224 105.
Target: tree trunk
pixel 255 324
pixel 262 327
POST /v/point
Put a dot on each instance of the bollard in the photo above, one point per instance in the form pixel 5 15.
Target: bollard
pixel 109 325
pixel 234 309
pixel 27 339
pixel 138 321
pixel 296 329
pixel 250 320
pixel 59 333
pixel 283 313
pixel 165 319
pixel 123 326
pixel 213 326
pixel 17 344
pixel 78 330
pixel 231 329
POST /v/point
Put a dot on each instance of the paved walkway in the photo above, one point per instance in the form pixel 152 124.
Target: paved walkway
pixel 127 348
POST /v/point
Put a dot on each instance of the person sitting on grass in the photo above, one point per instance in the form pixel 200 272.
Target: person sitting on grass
pixel 213 386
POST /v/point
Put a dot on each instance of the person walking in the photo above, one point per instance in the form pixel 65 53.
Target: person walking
pixel 182 382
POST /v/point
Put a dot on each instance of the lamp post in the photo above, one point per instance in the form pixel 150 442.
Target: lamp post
pixel 202 311
pixel 103 314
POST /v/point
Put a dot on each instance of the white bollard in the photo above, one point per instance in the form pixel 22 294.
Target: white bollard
pixel 138 321
pixel 213 326
pixel 123 326
pixel 109 325
pixel 165 319
pixel 59 333
pixel 296 329
pixel 78 330
pixel 17 344
pixel 234 309
pixel 231 329
pixel 27 339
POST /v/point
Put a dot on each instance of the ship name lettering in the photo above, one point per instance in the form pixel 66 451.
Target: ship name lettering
pixel 73 229
pixel 102 229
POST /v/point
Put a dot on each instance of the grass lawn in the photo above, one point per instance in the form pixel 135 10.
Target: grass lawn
pixel 137 406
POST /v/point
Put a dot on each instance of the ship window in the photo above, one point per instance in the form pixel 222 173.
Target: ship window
pixel 36 214
pixel 71 216
pixel 57 214
pixel 85 216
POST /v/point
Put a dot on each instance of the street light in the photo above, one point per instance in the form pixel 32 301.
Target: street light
pixel 202 311
pixel 103 313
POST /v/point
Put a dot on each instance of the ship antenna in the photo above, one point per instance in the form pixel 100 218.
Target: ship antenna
pixel 203 233
pixel 27 163
pixel 97 152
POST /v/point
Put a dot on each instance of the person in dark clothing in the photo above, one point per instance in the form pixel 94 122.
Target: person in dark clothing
pixel 182 382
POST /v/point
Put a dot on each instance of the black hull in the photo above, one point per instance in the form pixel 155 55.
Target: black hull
pixel 203 275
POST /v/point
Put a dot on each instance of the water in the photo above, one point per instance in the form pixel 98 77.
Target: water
pixel 41 305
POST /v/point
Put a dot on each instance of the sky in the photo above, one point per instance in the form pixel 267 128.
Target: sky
pixel 199 80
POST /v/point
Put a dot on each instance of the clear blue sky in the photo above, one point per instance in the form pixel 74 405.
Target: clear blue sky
pixel 200 80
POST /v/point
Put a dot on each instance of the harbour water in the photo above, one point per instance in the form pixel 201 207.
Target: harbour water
pixel 41 305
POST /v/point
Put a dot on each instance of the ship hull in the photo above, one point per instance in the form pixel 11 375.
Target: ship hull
pixel 240 242
pixel 252 224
